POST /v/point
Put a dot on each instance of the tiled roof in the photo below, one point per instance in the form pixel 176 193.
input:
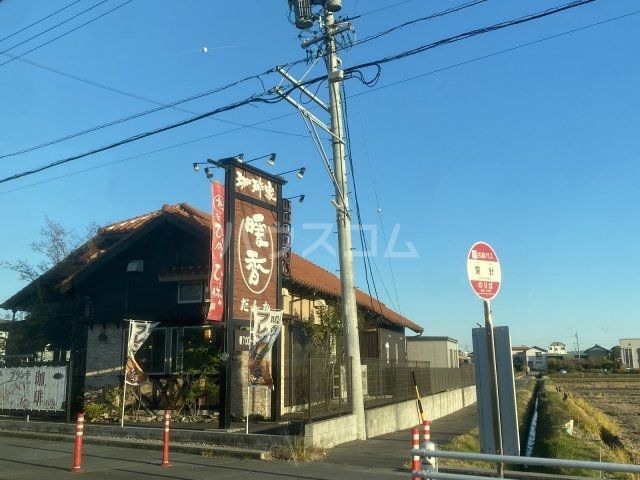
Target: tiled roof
pixel 303 272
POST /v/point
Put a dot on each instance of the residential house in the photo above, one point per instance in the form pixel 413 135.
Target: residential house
pixel 156 267
pixel 439 352
pixel 533 357
pixel 557 349
pixel 597 352
pixel 630 350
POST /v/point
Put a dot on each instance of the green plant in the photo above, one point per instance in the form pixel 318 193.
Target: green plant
pixel 299 451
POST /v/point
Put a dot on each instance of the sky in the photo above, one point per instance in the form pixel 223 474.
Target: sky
pixel 534 150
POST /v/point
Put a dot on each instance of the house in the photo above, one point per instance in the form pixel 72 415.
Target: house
pixel 557 349
pixel 439 352
pixel 533 357
pixel 156 267
pixel 597 352
pixel 630 350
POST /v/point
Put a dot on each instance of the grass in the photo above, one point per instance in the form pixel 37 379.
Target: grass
pixel 586 443
pixel 470 441
pixel 299 452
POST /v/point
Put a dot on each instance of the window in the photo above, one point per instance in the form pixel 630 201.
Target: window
pixel 151 355
pixel 190 292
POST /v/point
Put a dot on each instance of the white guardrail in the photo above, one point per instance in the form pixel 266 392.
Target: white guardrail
pixel 425 465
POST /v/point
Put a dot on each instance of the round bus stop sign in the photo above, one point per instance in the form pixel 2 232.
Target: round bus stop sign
pixel 483 269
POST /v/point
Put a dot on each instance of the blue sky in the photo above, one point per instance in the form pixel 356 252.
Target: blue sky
pixel 534 151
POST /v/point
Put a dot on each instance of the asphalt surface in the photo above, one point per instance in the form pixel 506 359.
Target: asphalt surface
pixel 41 459
pixel 392 451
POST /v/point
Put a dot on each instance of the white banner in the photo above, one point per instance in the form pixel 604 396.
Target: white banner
pixel 266 326
pixel 138 333
pixel 33 388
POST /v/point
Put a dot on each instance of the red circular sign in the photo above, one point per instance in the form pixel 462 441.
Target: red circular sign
pixel 483 270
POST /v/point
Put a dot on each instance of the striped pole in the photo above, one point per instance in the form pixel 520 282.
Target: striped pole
pixel 416 464
pixel 165 439
pixel 77 453
pixel 426 432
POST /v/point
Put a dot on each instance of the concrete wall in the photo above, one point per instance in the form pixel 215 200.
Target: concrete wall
pixel 387 419
pixel 329 433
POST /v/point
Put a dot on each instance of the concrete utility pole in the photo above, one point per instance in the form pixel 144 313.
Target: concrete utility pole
pixel 349 307
pixel 329 29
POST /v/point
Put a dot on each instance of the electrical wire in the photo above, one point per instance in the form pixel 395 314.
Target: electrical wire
pixel 135 116
pixel 63 34
pixel 39 21
pixel 252 99
pixel 33 37
pixel 469 34
pixel 421 19
pixel 408 79
pixel 376 10
pixel 366 258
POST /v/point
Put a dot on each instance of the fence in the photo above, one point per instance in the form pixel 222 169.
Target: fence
pixel 392 382
pixel 317 387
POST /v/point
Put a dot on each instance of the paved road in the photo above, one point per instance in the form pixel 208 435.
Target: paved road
pixel 41 459
pixel 392 451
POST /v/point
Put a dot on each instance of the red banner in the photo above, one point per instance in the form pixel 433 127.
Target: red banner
pixel 216 307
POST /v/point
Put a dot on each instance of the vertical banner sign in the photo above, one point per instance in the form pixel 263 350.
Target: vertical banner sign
pixel 216 305
pixel 138 334
pixel 266 326
pixel 256 264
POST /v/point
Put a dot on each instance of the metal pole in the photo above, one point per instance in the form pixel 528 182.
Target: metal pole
pixel 349 308
pixel 495 405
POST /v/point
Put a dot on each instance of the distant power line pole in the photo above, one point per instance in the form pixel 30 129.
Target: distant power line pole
pixel 305 18
pixel 578 345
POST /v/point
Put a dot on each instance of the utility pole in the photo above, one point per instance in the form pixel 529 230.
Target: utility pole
pixel 578 345
pixel 338 174
pixel 349 307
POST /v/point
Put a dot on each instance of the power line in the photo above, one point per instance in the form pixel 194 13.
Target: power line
pixel 493 54
pixel 233 106
pixel 65 33
pixel 163 106
pixel 33 37
pixel 376 10
pixel 418 20
pixel 38 21
pixel 469 34
pixel 134 116
pixel 353 95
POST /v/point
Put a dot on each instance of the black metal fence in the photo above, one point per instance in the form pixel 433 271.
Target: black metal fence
pixel 318 387
pixel 391 382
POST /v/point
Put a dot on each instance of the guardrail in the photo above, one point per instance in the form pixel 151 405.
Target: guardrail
pixel 429 469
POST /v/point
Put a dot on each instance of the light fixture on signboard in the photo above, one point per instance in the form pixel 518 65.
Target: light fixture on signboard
pixel 271 159
pixel 196 166
pixel 299 197
pixel 299 172
pixel 207 171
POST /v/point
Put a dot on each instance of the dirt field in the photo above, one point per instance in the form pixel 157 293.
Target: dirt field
pixel 616 395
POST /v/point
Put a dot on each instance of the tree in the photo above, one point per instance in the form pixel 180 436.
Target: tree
pixel 55 244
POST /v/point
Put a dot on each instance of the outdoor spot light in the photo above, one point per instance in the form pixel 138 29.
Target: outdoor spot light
pixel 271 159
pixel 207 171
pixel 299 172
pixel 196 166
pixel 299 197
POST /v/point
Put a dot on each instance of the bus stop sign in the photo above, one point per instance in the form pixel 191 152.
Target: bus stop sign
pixel 483 270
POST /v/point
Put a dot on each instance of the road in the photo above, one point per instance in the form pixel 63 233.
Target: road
pixel 29 459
